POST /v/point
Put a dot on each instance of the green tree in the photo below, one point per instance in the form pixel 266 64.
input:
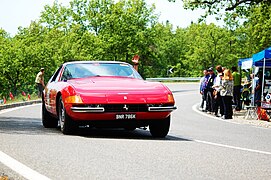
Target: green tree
pixel 216 6
pixel 258 27
pixel 168 51
pixel 56 16
pixel 5 44
pixel 209 45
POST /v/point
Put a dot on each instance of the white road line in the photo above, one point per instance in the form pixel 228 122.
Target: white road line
pixel 15 108
pixel 20 168
pixel 194 107
pixel 16 165
pixel 223 145
pixel 233 147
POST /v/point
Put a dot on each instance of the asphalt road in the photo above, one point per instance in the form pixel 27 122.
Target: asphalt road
pixel 197 147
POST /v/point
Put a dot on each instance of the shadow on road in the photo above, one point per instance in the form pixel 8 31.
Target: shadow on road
pixel 120 133
pixel 18 125
pixel 33 126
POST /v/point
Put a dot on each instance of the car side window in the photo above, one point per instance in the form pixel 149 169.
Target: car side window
pixel 56 74
pixel 66 75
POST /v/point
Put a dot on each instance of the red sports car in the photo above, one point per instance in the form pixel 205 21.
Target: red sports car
pixel 105 94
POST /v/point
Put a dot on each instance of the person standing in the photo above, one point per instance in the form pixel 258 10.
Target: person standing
pixel 203 81
pixel 40 82
pixel 209 91
pixel 258 89
pixel 226 92
pixel 252 86
pixel 236 88
pixel 217 98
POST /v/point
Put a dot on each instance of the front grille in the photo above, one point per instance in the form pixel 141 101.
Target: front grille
pixel 126 108
pixel 122 107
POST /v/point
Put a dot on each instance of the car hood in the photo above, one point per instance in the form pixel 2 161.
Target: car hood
pixel 119 90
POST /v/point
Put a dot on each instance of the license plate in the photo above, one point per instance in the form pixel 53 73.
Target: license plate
pixel 125 116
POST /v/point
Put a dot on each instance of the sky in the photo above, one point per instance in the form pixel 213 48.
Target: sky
pixel 16 13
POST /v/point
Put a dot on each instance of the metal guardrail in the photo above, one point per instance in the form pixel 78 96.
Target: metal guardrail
pixel 174 79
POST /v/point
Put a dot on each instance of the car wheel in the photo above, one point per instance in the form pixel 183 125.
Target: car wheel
pixel 67 125
pixel 160 128
pixel 48 121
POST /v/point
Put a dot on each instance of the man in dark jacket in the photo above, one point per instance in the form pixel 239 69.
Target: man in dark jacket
pixel 203 82
pixel 210 90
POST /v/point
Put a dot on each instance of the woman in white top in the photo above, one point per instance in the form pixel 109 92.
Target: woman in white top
pixel 226 92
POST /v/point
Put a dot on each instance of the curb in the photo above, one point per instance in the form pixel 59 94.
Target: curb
pixel 7 106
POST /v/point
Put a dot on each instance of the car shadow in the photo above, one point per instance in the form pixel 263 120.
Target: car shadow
pixel 19 125
pixel 120 133
pixel 33 126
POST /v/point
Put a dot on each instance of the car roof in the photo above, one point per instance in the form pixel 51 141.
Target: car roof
pixel 94 61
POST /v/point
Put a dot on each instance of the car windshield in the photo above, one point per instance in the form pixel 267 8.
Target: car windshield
pixel 82 70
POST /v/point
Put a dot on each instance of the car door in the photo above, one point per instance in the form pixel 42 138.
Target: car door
pixel 51 90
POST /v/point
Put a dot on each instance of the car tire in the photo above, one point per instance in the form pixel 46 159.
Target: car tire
pixel 160 128
pixel 48 121
pixel 67 125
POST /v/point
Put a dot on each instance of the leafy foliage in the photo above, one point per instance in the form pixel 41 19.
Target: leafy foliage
pixel 258 26
pixel 215 6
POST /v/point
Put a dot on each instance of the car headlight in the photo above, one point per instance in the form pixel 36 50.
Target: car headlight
pixel 73 99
